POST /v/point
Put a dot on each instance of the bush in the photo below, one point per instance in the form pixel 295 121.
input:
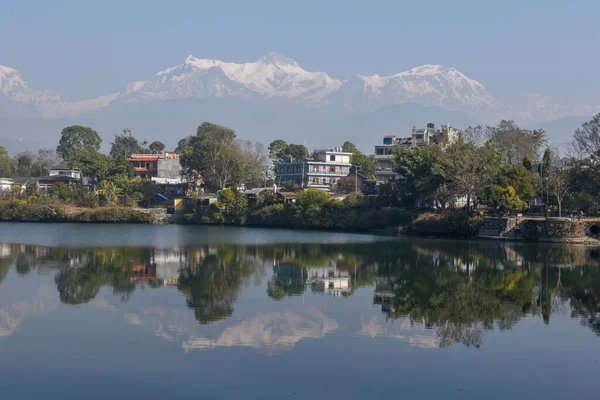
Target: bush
pixel 32 211
pixel 114 215
pixel 459 224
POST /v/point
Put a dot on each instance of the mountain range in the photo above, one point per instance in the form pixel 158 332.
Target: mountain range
pixel 272 97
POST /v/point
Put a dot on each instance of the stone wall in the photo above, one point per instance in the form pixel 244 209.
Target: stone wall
pixel 541 230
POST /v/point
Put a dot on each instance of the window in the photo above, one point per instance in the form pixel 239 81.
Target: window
pixel 332 170
pixel 332 158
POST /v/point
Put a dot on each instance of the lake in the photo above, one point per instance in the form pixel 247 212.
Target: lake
pixel 169 312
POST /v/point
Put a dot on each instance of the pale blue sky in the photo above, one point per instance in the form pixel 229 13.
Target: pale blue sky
pixel 89 48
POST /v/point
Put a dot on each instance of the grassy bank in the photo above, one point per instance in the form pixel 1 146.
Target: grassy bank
pixel 44 210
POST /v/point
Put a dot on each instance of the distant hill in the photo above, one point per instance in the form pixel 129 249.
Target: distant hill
pixel 560 131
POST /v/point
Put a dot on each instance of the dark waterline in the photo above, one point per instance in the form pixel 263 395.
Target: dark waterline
pixel 133 311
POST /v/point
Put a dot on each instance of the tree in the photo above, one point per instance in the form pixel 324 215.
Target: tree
pixel 527 163
pixel 515 141
pixel 60 191
pixel 183 143
pixel 546 168
pixel 278 150
pixel 75 139
pixel 522 180
pixel 214 155
pixel 587 138
pixel 297 152
pixel 23 164
pixel 421 174
pixel 6 167
pixel 469 168
pixel 580 201
pixel 559 185
pixel 124 145
pixel 156 147
pixel 502 198
pixel 91 163
pixel 366 163
pixel 44 160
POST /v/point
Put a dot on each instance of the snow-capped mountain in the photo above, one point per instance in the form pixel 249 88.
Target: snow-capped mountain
pixel 280 78
pixel 272 76
pixel 428 85
pixel 48 104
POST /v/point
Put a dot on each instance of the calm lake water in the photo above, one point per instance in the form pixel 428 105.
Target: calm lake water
pixel 131 311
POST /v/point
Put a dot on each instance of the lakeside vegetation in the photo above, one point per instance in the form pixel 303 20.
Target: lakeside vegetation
pixel 492 169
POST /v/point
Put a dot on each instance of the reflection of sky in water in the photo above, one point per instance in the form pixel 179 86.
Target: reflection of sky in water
pixel 149 343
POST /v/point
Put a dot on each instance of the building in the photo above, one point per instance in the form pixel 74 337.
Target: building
pixel 322 172
pixel 329 280
pixel 65 171
pixel 147 166
pixel 384 169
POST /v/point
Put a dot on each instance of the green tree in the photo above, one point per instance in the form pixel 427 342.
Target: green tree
pixel 546 167
pixel 278 150
pixel 215 156
pixel 60 191
pixel 587 138
pixel 580 201
pixel 469 168
pixel 366 163
pixel 76 139
pixel 125 144
pixel 516 142
pixel 522 180
pixel 502 198
pixel 297 152
pixel 156 147
pixel 23 164
pixel 183 143
pixel 92 163
pixel 527 163
pixel 6 167
pixel 421 174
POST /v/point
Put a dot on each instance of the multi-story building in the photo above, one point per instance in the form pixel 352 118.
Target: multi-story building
pixel 165 165
pixel 384 170
pixel 322 172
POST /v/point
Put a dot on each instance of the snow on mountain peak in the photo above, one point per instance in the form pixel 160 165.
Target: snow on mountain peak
pixel 278 59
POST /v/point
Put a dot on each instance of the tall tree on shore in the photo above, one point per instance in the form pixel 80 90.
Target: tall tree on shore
pixel 125 144
pixel 6 167
pixel 366 163
pixel 215 155
pixel 587 138
pixel 469 168
pixel 157 147
pixel 76 139
pixel 559 186
pixel 516 142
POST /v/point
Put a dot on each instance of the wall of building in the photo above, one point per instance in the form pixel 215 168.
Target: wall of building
pixel 169 168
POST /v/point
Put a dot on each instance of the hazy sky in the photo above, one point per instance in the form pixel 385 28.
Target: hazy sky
pixel 89 48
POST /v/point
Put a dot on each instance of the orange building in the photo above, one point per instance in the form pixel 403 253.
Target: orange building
pixel 146 165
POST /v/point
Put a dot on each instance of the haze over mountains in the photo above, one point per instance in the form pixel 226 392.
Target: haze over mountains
pixel 273 97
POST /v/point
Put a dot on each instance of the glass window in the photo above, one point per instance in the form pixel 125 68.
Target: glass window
pixel 332 158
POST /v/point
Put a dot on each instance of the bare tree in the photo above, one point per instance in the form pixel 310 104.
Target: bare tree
pixel 587 138
pixel 559 185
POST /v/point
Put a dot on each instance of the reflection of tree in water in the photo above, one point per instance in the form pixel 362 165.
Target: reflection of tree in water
pixel 212 286
pixel 106 267
pixel 4 267
pixel 288 280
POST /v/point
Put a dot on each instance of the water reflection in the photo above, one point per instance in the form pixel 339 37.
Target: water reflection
pixel 430 293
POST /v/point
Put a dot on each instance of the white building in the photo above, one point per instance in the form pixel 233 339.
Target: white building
pixel 322 172
pixel 65 171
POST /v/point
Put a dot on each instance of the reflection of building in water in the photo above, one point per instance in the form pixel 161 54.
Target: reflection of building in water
pixel 329 280
pixel 168 265
pixel 384 293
